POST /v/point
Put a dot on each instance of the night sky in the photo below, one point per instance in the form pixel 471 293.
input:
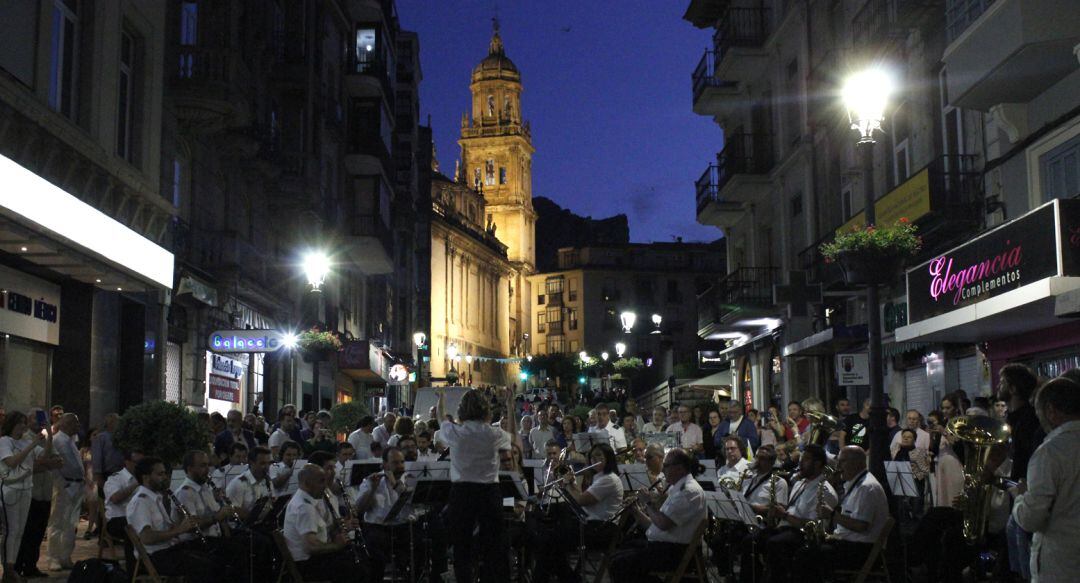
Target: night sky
pixel 607 89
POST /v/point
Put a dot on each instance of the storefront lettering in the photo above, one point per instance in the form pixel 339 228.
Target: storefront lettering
pixel 972 281
pixel 28 306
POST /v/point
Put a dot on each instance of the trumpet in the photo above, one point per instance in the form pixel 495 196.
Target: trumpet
pixel 632 500
pixel 564 471
pixel 187 515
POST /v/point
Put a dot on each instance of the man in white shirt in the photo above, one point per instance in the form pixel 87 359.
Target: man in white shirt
pixel 41 494
pixel 319 554
pixel 281 434
pixel 913 419
pixel 281 472
pixel 1049 503
pixel 616 437
pixel 767 493
pixel 251 492
pixel 361 438
pixel 238 454
pixel 690 433
pixel 475 498
pixel 424 451
pixel 735 466
pixel 382 433
pixel 658 422
pixel 669 527
pixel 68 494
pixel 803 506
pixel 119 489
pixel 541 434
pixel 149 514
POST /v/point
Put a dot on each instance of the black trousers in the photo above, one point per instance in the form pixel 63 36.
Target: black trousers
pixel 939 540
pixel 188 561
pixel 116 528
pixel 834 554
pixel 428 536
pixel 471 507
pixel 33 534
pixel 337 567
pixel 751 548
pixel 552 547
pixel 780 550
pixel 636 562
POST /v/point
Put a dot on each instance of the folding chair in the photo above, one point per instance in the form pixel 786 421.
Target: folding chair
pixel 288 565
pixel 693 553
pixel 151 575
pixel 106 540
pixel 876 552
pixel 605 561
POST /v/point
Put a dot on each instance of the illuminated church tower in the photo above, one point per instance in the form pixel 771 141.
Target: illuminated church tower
pixel 496 153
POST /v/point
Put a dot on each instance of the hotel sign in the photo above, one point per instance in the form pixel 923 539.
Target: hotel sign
pixel 1043 243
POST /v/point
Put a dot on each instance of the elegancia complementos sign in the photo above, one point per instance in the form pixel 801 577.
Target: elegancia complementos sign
pixel 226 341
pixel 1043 243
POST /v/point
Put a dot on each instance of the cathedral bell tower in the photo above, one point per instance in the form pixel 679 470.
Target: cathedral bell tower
pixel 496 153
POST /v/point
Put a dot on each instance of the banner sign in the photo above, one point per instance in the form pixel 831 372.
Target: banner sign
pixel 853 369
pixel 224 378
pixel 1043 243
pixel 232 341
pixel 910 200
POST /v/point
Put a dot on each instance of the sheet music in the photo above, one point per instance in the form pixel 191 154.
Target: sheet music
pixel 356 470
pixel 900 479
pixel 584 442
pixel 223 476
pixel 731 505
pixel 634 476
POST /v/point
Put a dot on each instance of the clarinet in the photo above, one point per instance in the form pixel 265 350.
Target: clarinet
pixel 222 498
pixel 358 535
pixel 184 513
pixel 338 525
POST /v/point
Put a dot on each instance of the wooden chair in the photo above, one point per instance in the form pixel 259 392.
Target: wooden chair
pixel 605 561
pixel 876 552
pixel 152 575
pixel 693 553
pixel 106 540
pixel 288 565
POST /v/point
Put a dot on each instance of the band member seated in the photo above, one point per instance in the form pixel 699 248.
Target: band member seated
pixel 315 540
pixel 408 447
pixel 766 492
pixel 119 489
pixel 735 465
pixel 237 464
pixel 859 518
pixel 425 451
pixel 251 493
pixel 344 454
pixel 549 473
pixel 601 502
pixel 390 537
pixel 812 499
pixel 281 472
pixel 149 513
pixel 669 527
pixel 654 465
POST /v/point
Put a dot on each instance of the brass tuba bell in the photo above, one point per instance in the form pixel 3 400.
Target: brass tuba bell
pixel 979 434
pixel 822 425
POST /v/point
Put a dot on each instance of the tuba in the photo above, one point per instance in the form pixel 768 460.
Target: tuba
pixel 979 434
pixel 822 425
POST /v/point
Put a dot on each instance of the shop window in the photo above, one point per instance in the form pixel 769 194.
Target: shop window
pixel 1059 171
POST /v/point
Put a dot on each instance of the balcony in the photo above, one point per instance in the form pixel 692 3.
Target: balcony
pixel 372 245
pixel 739 43
pixel 741 175
pixel 881 22
pixel 1008 51
pixel 555 299
pixel 712 95
pixel 555 328
pixel 367 77
pixel 745 292
pixel 209 88
pixel 710 209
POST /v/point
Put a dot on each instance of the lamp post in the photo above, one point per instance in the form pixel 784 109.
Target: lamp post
pixel 656 320
pixel 419 339
pixel 316 266
pixel 620 349
pixel 866 95
pixel 627 319
pixel 452 354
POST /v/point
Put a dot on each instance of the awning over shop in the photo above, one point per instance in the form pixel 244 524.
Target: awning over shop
pixel 717 383
pixel 828 342
pixel 47 226
pixel 754 343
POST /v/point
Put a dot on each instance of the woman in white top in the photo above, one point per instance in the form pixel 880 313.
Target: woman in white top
pixel 19 451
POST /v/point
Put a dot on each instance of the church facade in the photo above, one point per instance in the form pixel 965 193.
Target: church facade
pixel 483 236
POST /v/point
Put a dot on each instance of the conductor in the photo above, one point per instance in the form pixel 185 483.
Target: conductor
pixel 475 499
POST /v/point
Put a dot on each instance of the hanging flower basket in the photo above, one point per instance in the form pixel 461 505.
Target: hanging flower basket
pixel 316 345
pixel 873 255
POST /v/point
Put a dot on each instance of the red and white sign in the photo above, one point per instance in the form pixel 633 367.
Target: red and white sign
pixel 224 378
pixel 224 388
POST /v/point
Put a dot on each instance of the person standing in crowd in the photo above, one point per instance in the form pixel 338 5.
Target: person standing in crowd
pixel 475 498
pixel 361 438
pixel 1001 408
pixel 857 427
pixel 525 427
pixel 690 433
pixel 1018 383
pixel 40 506
pixel 234 433
pixel 68 494
pixel 119 489
pixel 541 434
pixel 913 421
pixel 708 434
pixel 1048 504
pixel 892 422
pixel 107 459
pixel 382 433
pixel 632 409
pixel 22 453
pixel 657 424
pixel 669 527
pixel 796 422
pixel 284 432
pixel 738 424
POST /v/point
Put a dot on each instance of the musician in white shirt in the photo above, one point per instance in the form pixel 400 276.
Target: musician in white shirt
pixel 803 506
pixel 237 465
pixel 669 527
pixel 766 492
pixel 119 488
pixel 251 492
pixel 424 451
pixel 385 430
pixel 616 437
pixel 475 498
pixel 735 465
pixel 281 472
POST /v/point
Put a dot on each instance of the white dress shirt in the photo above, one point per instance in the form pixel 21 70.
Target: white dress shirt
pixel 278 469
pixel 650 428
pixel 685 506
pixel 691 433
pixel 733 472
pixel 244 491
pixel 199 500
pixel 758 489
pixel 803 500
pixel 361 441
pixel 474 451
pixel 116 482
pixel 864 499
pixel 1051 506
pixel 19 477
pixel 147 508
pixel 538 437
pixel 608 490
pixel 381 434
pixel 384 499
pixel 303 516
pixel 226 474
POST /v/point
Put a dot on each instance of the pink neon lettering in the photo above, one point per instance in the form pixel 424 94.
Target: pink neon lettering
pixel 944 280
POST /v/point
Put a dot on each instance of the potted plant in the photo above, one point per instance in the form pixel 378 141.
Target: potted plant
pixel 874 254
pixel 317 344
pixel 162 429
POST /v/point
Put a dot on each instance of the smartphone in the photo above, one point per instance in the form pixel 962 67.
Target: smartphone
pixel 42 418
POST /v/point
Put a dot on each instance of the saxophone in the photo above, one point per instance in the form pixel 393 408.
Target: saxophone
pixel 814 530
pixel 734 483
pixel 770 516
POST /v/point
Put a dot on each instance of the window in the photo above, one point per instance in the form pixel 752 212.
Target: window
pixel 573 290
pixel 63 58
pixel 541 322
pixel 901 157
pixel 189 23
pixel 554 286
pixel 125 110
pixel 796 205
pixel 489 172
pixel 541 299
pixel 556 345
pixel 554 315
pixel 571 316
pixel 366 53
pixel 1059 171
pixel 502 175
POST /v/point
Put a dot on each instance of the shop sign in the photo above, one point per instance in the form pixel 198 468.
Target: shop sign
pixel 29 307
pixel 399 373
pixel 232 341
pixel 853 369
pixel 224 378
pixel 910 200
pixel 710 359
pixel 1031 248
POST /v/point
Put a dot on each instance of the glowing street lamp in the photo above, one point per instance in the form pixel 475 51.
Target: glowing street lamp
pixel 468 358
pixel 866 96
pixel 620 348
pixel 419 339
pixel 289 340
pixel 604 356
pixel 627 319
pixel 656 319
pixel 584 356
pixel 316 266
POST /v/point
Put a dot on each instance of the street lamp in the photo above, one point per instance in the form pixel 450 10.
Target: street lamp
pixel 419 339
pixel 656 319
pixel 620 348
pixel 604 356
pixel 627 319
pixel 584 356
pixel 866 96
pixel 316 266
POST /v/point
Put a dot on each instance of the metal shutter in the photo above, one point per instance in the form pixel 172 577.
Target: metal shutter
pixel 918 390
pixel 172 372
pixel 968 375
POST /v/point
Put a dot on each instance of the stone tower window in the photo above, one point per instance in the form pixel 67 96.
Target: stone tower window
pixel 489 172
pixel 491 105
pixel 502 175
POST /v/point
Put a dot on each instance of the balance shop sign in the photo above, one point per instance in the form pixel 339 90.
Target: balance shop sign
pixel 239 341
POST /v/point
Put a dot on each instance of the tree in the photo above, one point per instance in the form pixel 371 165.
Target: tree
pixel 345 416
pixel 162 429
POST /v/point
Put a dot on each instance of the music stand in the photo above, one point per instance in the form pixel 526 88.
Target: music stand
pixel 901 480
pixel 402 501
pixel 358 470
pixel 730 505
pixel 634 476
pixel 585 441
pixel 432 484
pixel 708 481
pixel 228 474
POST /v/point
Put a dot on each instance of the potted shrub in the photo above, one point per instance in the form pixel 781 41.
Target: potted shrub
pixel 162 429
pixel 874 254
pixel 317 345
